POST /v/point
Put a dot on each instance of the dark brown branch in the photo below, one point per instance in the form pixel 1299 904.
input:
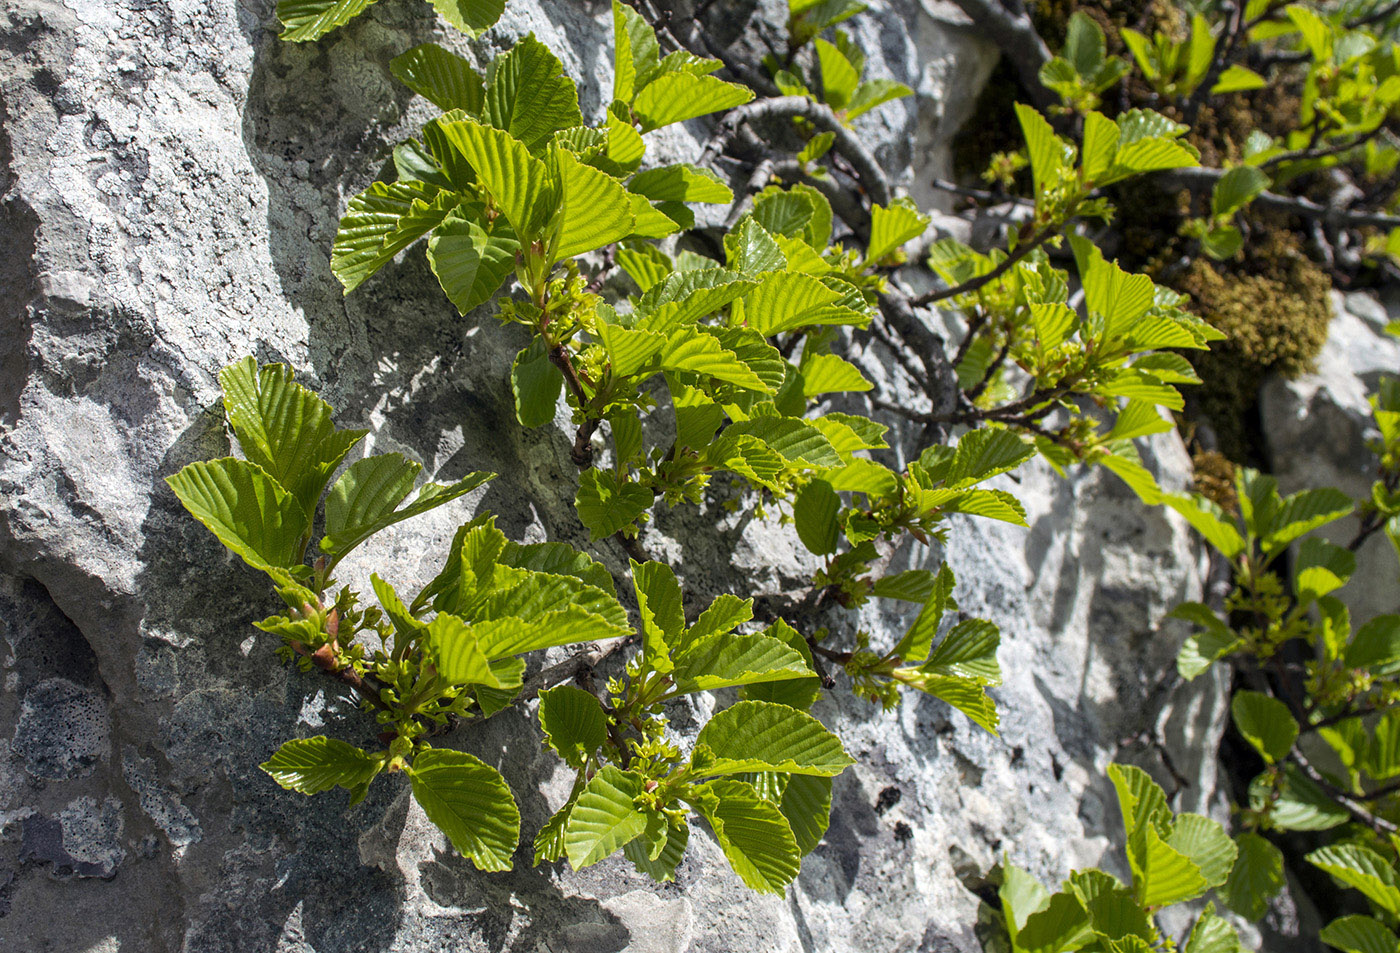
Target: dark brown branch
pixel 572 667
pixel 972 284
pixel 980 195
pixel 1354 807
pixel 1203 181
pixel 846 143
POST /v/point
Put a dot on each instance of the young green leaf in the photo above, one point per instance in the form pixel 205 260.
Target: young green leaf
pixel 519 184
pixel 727 660
pixel 596 210
pixel 1265 723
pixel 814 514
pixel 470 802
pixel 752 832
pixel 304 20
pixel 1256 876
pixel 472 256
pixel 529 97
pixel 440 76
pixel 1365 870
pixel 891 226
pixel 313 765
pixel 1359 934
pixel 676 97
pixel 382 221
pixel 536 383
pixel 472 17
pixel 608 503
pixel 758 736
pixel 605 818
pixel 362 502
pixel 284 428
pixel 663 613
pixel 573 722
pixel 246 509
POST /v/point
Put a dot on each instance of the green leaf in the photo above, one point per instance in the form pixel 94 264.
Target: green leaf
pixel 1209 520
pixel 382 221
pixel 681 183
pixel 608 503
pixel 829 374
pixel 1048 153
pixel 285 429
pixel 983 454
pixel 636 53
pixel 891 226
pixel 1363 869
pixel 1142 802
pixel 1062 924
pixel 246 509
pixel 573 723
pixel 1164 874
pixel 761 736
pixel 313 765
pixel 912 585
pixel 512 635
pixel 472 17
pixel 470 802
pixel 1207 845
pixel 695 353
pixel 1119 297
pixel 875 92
pixel 458 654
pixel 676 97
pixel 472 259
pixel 727 660
pixel 814 514
pixel 529 97
pixel 442 77
pixel 629 349
pixel 662 867
pixel 1237 79
pixel 1300 804
pixel 1021 895
pixel 549 840
pixel 1212 934
pixel 304 20
pixel 806 803
pixel 1256 876
pixel 1265 723
pixel 662 610
pixel 721 616
pixel 967 695
pixel 797 441
pixel 596 210
pixel 1303 512
pixel 362 502
pixel 750 250
pixel 536 383
pixel 969 650
pixel 605 817
pixel 790 300
pixel 1376 645
pixel 839 77
pixel 753 833
pixel 799 693
pixel 1359 934
pixel 1139 419
pixel 1321 567
pixel 519 184
pixel 1236 189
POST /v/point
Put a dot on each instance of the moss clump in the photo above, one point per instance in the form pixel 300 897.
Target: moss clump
pixel 1273 308
pixel 1214 476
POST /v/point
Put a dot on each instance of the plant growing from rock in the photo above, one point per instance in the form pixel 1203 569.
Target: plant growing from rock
pixel 721 367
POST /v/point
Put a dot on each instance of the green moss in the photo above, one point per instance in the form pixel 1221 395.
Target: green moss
pixel 1273 307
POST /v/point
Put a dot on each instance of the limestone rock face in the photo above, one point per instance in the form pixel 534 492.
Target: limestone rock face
pixel 173 176
pixel 1319 428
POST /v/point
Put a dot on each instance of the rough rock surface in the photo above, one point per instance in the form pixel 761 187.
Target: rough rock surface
pixel 172 180
pixel 1319 428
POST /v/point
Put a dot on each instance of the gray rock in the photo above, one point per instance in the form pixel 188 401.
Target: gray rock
pixel 1319 429
pixel 173 178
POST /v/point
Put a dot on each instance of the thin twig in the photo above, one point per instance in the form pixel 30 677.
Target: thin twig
pixel 1203 181
pixel 1009 262
pixel 846 143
